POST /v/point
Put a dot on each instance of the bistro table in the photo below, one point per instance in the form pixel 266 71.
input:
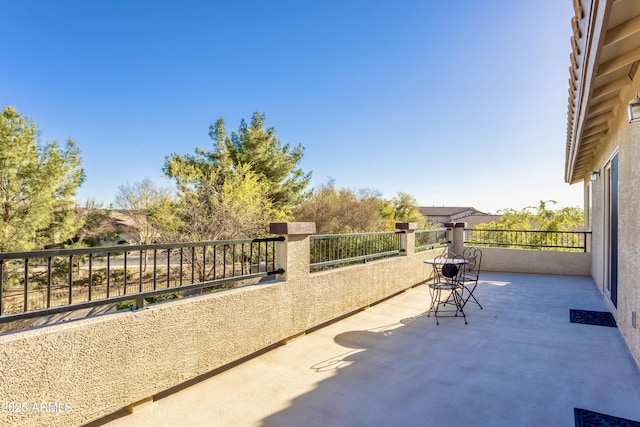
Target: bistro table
pixel 447 281
pixel 443 260
pixel 435 262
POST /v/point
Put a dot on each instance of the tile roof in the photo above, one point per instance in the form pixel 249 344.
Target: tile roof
pixel 446 210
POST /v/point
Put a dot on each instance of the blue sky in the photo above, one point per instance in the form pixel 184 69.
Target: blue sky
pixel 457 103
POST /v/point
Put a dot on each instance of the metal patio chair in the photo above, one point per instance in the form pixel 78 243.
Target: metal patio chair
pixel 469 282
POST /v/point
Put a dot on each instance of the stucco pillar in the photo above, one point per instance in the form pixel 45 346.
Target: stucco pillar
pixel 293 254
pixel 455 234
pixel 408 238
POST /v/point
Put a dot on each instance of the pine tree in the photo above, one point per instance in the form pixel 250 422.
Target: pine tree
pixel 37 186
pixel 248 180
pixel 264 153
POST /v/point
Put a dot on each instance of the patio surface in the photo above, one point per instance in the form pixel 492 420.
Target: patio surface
pixel 519 362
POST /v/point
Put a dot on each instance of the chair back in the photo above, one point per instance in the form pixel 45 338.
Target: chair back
pixel 473 257
pixel 461 267
pixel 467 251
pixel 474 260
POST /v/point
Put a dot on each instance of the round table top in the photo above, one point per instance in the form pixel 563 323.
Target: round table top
pixel 446 261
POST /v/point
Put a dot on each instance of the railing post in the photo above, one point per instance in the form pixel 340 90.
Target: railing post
pixel 587 241
pixel 408 238
pixel 455 234
pixel 293 254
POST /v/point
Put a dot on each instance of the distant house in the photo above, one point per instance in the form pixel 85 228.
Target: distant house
pixel 108 226
pixel 442 214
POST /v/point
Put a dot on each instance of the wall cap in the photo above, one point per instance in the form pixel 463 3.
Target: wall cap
pixel 406 225
pixel 292 228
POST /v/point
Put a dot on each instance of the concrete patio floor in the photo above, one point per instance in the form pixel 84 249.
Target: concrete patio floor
pixel 519 362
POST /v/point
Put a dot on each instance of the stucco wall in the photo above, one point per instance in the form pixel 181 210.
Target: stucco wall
pixel 89 368
pixel 100 365
pixel 536 262
pixel 623 137
pixel 530 261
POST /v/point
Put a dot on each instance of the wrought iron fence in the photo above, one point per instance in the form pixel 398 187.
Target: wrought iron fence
pixel 429 239
pixel 335 250
pixel 571 241
pixel 46 282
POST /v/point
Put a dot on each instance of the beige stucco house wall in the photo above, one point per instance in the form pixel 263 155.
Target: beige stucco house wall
pixel 604 77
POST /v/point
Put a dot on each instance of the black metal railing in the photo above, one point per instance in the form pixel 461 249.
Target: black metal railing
pixel 570 241
pixel 46 282
pixel 429 239
pixel 335 250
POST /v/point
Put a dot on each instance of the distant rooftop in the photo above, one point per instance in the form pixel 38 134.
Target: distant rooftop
pixel 448 211
pixel 467 214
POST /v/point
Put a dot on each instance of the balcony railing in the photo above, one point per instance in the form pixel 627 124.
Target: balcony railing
pixel 569 241
pixel 335 250
pixel 46 282
pixel 429 239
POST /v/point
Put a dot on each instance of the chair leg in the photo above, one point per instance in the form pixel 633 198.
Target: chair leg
pixel 475 300
pixel 465 300
pixel 436 303
pixel 435 296
pixel 459 305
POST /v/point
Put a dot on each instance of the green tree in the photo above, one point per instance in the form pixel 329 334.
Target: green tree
pixel 262 151
pixel 535 218
pixel 341 210
pixel 248 180
pixel 539 218
pixel 402 208
pixel 37 186
pixel 211 208
pixel 346 211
